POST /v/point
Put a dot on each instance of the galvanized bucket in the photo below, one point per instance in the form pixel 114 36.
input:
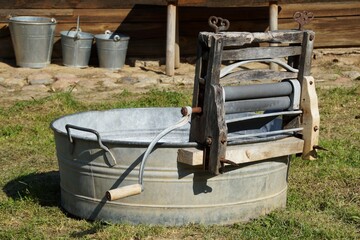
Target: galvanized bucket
pixel 175 193
pixel 32 38
pixel 112 48
pixel 76 48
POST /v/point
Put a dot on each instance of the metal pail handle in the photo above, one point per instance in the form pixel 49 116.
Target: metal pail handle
pixel 116 38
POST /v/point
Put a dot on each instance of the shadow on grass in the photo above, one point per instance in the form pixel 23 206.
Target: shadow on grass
pixel 95 228
pixel 43 188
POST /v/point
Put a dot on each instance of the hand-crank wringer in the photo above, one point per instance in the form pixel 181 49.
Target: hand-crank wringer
pixel 222 117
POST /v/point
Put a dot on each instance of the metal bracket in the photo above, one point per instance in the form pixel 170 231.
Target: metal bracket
pixel 303 18
pixel 224 24
pixel 295 95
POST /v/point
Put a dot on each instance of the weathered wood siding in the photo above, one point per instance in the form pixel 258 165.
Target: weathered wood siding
pixel 336 23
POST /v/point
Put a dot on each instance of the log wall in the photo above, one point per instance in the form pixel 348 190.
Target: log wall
pixel 336 23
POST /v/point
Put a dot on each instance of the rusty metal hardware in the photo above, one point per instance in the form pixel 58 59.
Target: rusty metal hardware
pixel 218 24
pixel 185 111
pixel 229 162
pixel 303 18
pixel 317 147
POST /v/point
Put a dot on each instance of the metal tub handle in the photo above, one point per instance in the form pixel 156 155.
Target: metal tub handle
pixel 108 153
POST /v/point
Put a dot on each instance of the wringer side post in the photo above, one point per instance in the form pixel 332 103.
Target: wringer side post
pixel 208 127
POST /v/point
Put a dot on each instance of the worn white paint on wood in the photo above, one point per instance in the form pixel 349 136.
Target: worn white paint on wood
pixel 273 25
pixel 247 152
pixel 311 117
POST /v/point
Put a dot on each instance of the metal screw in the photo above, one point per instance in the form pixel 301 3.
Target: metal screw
pixel 311 37
pixel 209 141
pixel 316 128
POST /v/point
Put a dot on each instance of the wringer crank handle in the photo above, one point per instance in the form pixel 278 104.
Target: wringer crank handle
pixel 218 24
pixel 135 189
pixel 303 18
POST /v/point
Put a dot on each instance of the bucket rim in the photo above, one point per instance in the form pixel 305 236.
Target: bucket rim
pixel 36 20
pixel 86 36
pixel 123 37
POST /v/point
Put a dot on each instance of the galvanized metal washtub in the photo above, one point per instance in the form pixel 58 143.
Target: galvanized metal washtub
pixel 32 39
pixel 175 193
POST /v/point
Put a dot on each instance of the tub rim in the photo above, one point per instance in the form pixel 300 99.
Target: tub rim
pixel 146 143
pixel 121 142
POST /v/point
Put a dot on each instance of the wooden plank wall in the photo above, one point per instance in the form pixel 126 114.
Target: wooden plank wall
pixel 336 23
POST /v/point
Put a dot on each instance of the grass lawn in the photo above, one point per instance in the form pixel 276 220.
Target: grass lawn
pixel 323 195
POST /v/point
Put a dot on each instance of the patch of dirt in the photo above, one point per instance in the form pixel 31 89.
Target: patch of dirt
pixel 336 67
pixel 86 84
pixel 330 68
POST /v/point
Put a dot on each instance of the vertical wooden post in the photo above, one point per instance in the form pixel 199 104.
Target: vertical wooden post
pixel 177 46
pixel 170 39
pixel 273 25
pixel 209 128
pixel 273 15
pixel 306 55
pixel 310 119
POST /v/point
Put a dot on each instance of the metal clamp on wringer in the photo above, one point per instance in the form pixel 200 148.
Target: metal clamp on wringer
pixel 268 113
pixel 260 113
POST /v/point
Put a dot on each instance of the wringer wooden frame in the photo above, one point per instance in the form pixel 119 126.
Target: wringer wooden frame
pixel 288 94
